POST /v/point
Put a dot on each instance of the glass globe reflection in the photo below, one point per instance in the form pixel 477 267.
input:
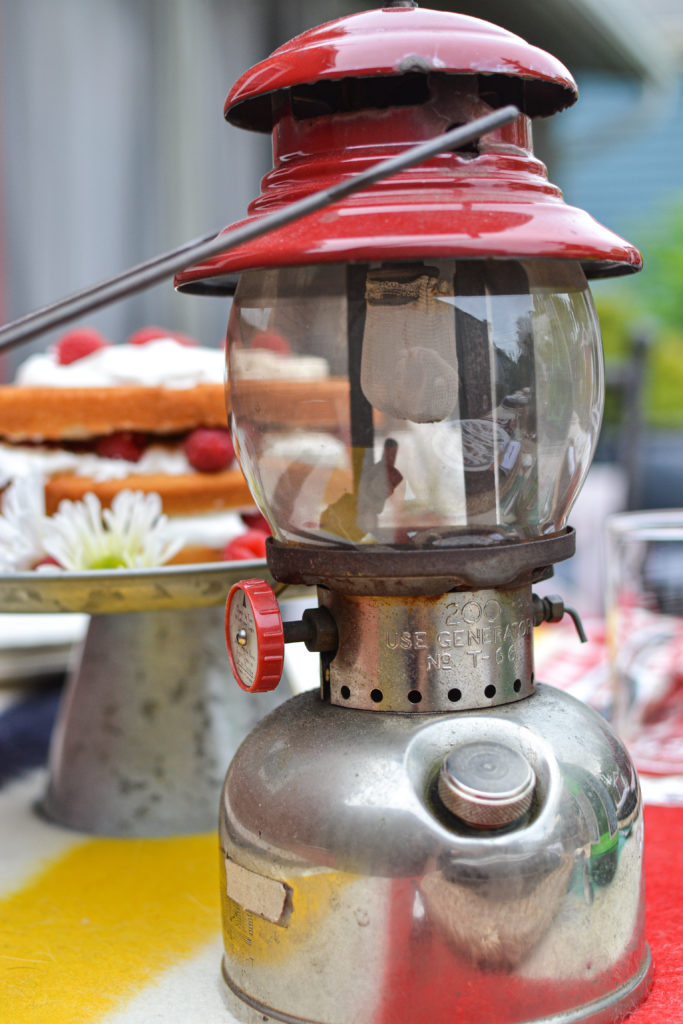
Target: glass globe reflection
pixel 415 404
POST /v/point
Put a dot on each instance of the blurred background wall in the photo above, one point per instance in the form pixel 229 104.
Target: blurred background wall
pixel 113 145
pixel 113 148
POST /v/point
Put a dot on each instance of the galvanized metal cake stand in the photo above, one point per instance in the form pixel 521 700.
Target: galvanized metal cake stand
pixel 151 716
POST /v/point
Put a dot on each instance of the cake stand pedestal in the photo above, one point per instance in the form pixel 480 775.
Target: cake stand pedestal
pixel 151 716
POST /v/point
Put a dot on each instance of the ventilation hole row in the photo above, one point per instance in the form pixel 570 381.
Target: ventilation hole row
pixel 415 697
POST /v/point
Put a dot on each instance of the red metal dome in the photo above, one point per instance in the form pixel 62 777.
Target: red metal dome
pixel 397 41
pixel 344 96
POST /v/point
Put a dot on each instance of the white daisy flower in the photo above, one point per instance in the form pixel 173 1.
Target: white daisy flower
pixel 23 524
pixel 132 534
pixel 11 555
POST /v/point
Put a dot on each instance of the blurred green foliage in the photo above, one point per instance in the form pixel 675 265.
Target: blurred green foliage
pixel 651 302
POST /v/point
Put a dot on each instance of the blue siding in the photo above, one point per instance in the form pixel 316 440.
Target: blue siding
pixel 622 180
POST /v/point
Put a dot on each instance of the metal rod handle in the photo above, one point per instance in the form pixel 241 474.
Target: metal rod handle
pixel 154 270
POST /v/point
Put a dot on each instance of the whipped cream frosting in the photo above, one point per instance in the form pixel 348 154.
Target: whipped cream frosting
pixel 306 446
pixel 16 461
pixel 262 364
pixel 162 362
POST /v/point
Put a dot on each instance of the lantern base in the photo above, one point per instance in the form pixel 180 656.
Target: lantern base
pixel 609 1010
pixel 351 895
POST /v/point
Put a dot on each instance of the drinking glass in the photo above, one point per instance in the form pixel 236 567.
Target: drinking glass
pixel 645 644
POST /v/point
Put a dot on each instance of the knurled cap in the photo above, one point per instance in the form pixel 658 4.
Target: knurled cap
pixel 487 784
pixel 254 635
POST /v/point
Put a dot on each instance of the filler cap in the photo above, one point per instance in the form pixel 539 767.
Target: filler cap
pixel 486 784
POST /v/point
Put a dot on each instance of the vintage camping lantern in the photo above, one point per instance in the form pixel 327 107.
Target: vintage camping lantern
pixel 417 387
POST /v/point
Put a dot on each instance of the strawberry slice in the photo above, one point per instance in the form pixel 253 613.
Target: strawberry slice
pixel 255 521
pixel 249 545
pixel 76 344
pixel 124 444
pixel 47 560
pixel 272 342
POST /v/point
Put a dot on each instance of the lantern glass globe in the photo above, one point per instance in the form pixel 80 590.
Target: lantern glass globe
pixel 423 403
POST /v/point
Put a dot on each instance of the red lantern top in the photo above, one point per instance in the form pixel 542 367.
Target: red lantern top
pixel 343 96
pixel 399 41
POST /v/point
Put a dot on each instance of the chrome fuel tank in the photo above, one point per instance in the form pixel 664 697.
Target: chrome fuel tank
pixel 351 895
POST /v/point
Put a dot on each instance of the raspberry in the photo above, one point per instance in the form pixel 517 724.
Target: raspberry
pixel 78 343
pixel 247 546
pixel 273 342
pixel 209 449
pixel 125 444
pixel 145 334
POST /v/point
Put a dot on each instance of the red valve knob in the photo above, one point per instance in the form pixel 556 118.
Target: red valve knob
pixel 254 636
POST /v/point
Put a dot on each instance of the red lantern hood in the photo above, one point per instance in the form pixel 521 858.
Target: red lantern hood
pixel 398 41
pixel 343 96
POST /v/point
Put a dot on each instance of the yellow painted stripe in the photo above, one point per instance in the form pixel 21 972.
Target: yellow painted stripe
pixel 100 923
